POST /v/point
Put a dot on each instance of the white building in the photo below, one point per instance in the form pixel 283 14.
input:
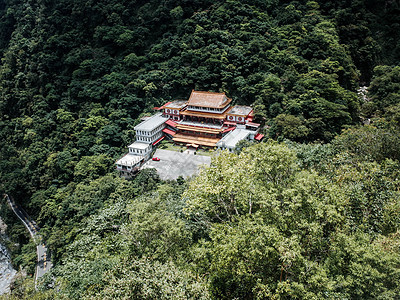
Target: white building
pixel 230 140
pixel 129 164
pixel 150 131
pixel 148 134
pixel 142 149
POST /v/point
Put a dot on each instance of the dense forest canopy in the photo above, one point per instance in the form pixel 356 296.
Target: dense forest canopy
pixel 315 215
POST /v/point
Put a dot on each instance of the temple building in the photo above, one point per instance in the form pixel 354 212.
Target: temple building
pixel 207 119
pixel 172 109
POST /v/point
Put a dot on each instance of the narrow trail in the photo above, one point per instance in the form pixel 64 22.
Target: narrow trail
pixel 43 258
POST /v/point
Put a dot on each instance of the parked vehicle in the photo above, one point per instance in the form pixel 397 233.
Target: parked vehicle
pixel 156 159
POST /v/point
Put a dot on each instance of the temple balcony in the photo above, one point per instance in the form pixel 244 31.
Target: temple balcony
pixel 200 124
pixel 208 109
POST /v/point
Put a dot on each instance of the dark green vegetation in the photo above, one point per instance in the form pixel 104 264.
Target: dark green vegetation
pixel 273 221
pixel 304 221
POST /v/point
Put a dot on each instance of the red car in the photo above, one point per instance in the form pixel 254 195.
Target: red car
pixel 156 159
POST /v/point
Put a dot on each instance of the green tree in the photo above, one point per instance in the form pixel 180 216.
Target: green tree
pixel 92 167
pixel 290 127
pixel 385 87
pixel 281 240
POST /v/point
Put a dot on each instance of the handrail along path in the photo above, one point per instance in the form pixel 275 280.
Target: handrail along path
pixel 43 259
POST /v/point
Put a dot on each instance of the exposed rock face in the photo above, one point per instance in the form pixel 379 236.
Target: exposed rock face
pixel 7 272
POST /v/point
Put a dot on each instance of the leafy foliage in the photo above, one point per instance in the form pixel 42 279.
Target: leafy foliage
pixel 303 231
pixel 270 221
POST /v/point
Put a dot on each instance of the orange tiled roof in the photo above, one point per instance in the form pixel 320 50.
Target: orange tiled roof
pixel 168 131
pixel 240 110
pixel 259 136
pixel 162 107
pixel 170 123
pixel 176 104
pixel 208 99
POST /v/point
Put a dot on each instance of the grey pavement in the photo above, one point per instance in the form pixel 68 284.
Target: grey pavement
pixel 173 164
pixel 44 262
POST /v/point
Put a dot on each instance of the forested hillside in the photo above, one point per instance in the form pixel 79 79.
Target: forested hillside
pixel 313 214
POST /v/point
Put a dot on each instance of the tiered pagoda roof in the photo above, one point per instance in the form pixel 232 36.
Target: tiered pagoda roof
pixel 208 99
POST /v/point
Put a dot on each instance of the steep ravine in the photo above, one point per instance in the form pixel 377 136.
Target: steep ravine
pixel 7 272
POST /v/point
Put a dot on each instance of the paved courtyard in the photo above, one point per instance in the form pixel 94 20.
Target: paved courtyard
pixel 173 164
